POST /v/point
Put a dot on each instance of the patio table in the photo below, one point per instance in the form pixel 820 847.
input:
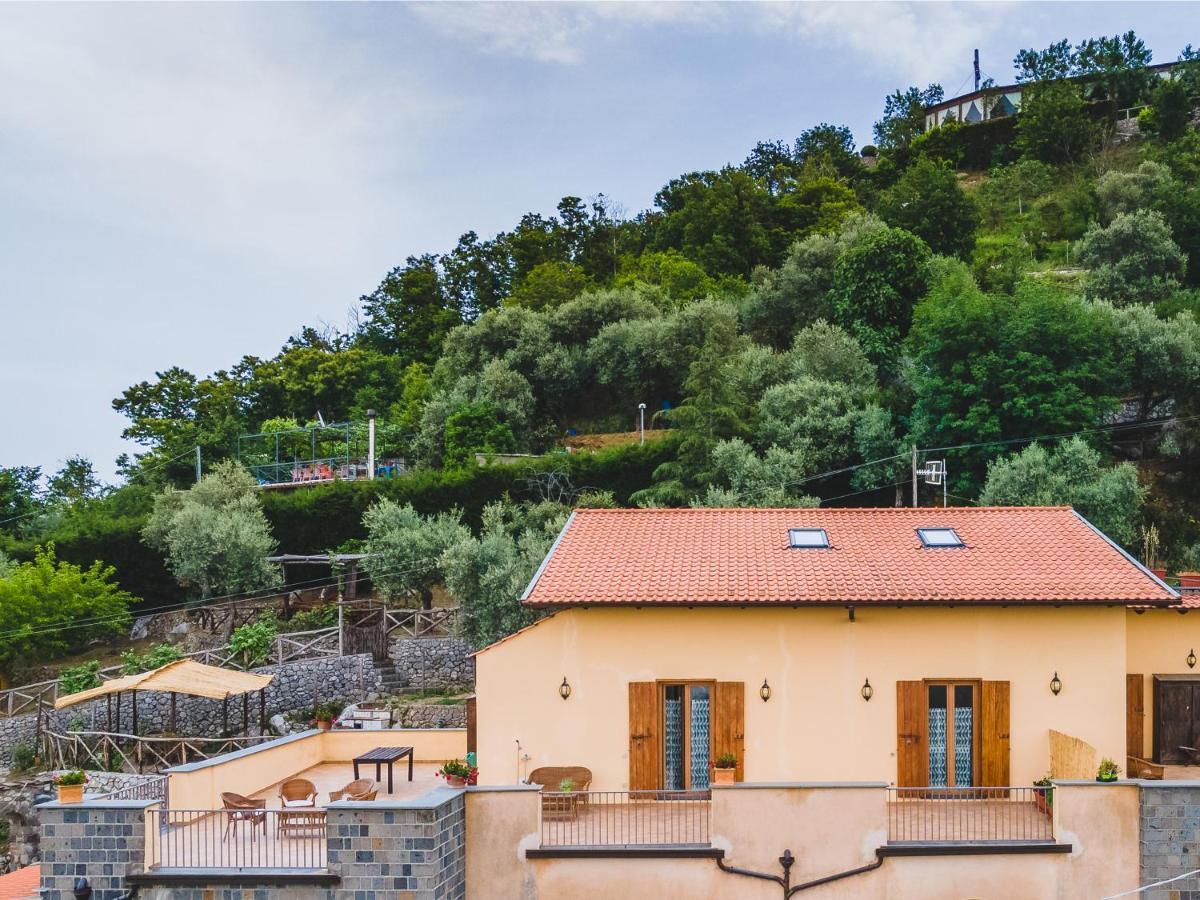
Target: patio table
pixel 385 755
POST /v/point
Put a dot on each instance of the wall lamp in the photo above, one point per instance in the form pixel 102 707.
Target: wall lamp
pixel 765 691
pixel 1191 659
pixel 1055 684
pixel 867 691
pixel 564 689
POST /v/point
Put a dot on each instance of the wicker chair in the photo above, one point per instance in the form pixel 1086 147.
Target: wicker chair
pixel 297 792
pixel 363 789
pixel 242 809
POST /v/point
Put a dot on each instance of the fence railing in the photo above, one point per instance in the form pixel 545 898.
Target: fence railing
pixel 151 787
pixel 236 839
pixel 625 818
pixel 970 815
pixel 422 622
pixel 316 644
pixel 109 751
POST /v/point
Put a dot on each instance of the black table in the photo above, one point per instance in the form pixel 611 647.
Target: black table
pixel 382 755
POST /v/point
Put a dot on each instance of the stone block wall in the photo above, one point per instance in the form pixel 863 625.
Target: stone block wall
pixel 1170 829
pixel 434 663
pixel 100 841
pixel 416 848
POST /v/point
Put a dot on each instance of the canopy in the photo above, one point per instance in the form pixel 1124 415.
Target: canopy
pixel 184 676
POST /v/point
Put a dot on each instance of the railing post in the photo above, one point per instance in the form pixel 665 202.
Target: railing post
pixel 279 649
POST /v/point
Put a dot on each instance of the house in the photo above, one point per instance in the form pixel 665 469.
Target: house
pixel 947 647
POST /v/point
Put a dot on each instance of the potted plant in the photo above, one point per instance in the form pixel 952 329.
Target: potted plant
pixel 70 786
pixel 1108 770
pixel 325 713
pixel 561 805
pixel 456 772
pixel 725 769
pixel 1043 794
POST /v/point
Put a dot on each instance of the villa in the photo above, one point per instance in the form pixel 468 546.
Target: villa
pixel 731 702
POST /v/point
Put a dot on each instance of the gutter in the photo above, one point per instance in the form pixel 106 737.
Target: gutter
pixel 785 880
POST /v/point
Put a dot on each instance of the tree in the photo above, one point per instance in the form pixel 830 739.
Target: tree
pixel 50 608
pixel 475 428
pixel 488 574
pixel 928 201
pixel 1151 184
pixel 1170 110
pixel 1133 260
pixel 740 477
pixel 876 283
pixel 548 285
pixel 214 535
pixel 1053 125
pixel 20 495
pixel 996 368
pixel 904 116
pixel 1161 357
pixel 828 145
pixel 404 549
pixel 75 482
pixel 1071 475
pixel 410 313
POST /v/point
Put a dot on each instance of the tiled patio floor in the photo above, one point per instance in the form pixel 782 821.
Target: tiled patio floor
pixel 329 777
pixel 967 820
pixel 575 823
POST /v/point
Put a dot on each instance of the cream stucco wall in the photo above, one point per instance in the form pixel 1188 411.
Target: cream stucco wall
pixel 816 727
pixel 1158 643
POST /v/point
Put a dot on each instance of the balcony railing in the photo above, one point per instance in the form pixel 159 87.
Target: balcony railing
pixel 625 818
pixel 149 787
pixel 236 839
pixel 970 815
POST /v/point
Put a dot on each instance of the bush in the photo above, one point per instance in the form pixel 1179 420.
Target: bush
pixel 254 641
pixel 133 662
pixel 311 619
pixel 79 678
pixel 978 145
pixel 22 757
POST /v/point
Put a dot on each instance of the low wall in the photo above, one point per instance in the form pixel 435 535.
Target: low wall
pixel 434 663
pixel 199 785
pixel 101 841
pixel 502 822
pixel 1170 830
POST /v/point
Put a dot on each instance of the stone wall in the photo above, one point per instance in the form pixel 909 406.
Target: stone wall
pixel 100 841
pixel 430 715
pixel 416 848
pixel 434 663
pixel 1170 829
pixel 296 685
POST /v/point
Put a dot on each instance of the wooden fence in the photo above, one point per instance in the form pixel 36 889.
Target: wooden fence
pixel 111 751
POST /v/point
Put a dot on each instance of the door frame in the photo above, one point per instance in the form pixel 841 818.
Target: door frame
pixel 661 685
pixel 1157 680
pixel 976 736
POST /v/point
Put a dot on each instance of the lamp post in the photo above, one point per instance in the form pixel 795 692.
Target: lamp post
pixel 371 444
pixel 642 422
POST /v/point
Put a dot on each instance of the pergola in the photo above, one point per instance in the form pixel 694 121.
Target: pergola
pixel 184 676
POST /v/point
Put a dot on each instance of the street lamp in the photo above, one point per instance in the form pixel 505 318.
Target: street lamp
pixel 642 422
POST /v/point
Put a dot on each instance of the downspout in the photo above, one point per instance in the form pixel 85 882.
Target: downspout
pixel 785 880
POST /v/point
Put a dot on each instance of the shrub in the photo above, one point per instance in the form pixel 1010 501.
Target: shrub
pixel 311 619
pixel 76 776
pixel 254 641
pixel 133 662
pixel 79 678
pixel 22 757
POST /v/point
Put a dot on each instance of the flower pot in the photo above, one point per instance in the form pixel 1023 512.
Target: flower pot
pixel 1044 798
pixel 70 793
pixel 1189 579
pixel 1160 574
pixel 456 781
pixel 1106 779
pixel 324 724
pixel 724 776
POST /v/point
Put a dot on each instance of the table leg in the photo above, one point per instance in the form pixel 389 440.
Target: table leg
pixel 410 756
pixel 389 776
pixel 356 770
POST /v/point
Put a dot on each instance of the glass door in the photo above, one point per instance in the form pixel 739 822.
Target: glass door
pixel 686 729
pixel 952 709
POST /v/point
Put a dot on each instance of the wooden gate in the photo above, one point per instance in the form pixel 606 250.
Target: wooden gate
pixel 365 630
pixel 1176 718
pixel 1135 716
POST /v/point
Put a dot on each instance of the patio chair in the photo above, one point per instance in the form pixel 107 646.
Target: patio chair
pixel 243 809
pixel 363 789
pixel 297 792
pixel 1136 767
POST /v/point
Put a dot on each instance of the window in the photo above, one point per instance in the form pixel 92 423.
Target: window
pixel 940 537
pixel 807 537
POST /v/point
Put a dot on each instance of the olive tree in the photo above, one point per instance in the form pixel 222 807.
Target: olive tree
pixel 404 549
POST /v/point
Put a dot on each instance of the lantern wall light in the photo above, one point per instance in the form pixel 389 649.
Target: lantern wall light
pixel 1191 659
pixel 765 691
pixel 1055 684
pixel 867 691
pixel 564 689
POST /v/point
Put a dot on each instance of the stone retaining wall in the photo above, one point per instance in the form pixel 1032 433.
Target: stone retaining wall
pixel 1170 833
pixel 434 663
pixel 101 842
pixel 430 715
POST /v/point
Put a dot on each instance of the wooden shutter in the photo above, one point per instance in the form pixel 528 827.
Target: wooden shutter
pixel 993 724
pixel 644 726
pixel 472 728
pixel 912 752
pixel 729 723
pixel 1135 716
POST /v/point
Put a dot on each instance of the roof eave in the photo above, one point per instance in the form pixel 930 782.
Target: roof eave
pixel 1149 603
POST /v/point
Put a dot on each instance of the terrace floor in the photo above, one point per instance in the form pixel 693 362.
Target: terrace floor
pixel 969 821
pixel 328 777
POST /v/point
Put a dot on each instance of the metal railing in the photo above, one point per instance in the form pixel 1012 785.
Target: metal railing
pixel 970 815
pixel 236 838
pixel 625 818
pixel 151 787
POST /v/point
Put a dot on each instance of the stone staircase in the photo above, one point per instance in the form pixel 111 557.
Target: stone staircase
pixel 391 680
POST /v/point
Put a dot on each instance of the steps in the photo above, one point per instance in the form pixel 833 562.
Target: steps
pixel 391 680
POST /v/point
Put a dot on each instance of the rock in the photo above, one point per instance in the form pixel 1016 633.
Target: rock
pixel 181 628
pixel 141 628
pixel 278 724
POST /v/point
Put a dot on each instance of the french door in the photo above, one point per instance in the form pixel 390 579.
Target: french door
pixel 952 733
pixel 687 735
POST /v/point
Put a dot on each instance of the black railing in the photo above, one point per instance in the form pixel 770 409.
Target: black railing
pixel 970 815
pixel 624 818
pixel 236 838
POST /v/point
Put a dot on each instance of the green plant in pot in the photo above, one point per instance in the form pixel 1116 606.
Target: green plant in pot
pixel 1043 794
pixel 325 713
pixel 725 769
pixel 70 786
pixel 456 772
pixel 1108 770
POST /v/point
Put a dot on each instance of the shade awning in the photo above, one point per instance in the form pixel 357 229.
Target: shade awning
pixel 184 676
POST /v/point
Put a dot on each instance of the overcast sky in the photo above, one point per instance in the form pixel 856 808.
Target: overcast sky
pixel 184 184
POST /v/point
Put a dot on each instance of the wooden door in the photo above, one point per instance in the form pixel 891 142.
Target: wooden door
pixel 994 736
pixel 912 751
pixel 644 745
pixel 1135 716
pixel 729 725
pixel 1175 726
pixel 472 728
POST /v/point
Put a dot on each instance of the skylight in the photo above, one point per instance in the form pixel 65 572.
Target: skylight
pixel 807 537
pixel 940 537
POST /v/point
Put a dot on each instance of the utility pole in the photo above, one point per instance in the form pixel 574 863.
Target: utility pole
pixel 977 68
pixel 197 462
pixel 914 475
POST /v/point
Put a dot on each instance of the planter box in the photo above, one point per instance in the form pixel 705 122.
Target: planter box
pixel 70 793
pixel 724 776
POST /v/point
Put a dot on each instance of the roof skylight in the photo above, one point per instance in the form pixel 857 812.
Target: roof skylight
pixel 808 537
pixel 940 537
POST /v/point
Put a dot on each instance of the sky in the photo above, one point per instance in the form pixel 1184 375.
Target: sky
pixel 184 184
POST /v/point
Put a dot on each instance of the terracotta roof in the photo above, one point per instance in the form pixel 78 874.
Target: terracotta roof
pixel 741 556
pixel 21 883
